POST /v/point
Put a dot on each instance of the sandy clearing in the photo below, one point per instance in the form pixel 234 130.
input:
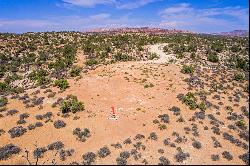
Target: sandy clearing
pixel 163 57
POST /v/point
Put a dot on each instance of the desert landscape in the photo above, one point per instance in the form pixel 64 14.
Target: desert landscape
pixel 124 97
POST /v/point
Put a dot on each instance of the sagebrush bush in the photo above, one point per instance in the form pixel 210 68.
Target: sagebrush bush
pixel 62 84
pixel 235 48
pixel 40 76
pixel 75 71
pixel 4 87
pixel 3 101
pixel 153 56
pixel 202 106
pixel 238 76
pixel 12 77
pixel 122 57
pixel 91 62
pixel 190 100
pixel 217 46
pixel 72 105
pixel 192 55
pixel 187 69
pixel 150 85
pixel 165 49
pixel 213 58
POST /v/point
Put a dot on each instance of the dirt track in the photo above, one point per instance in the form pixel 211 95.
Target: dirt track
pixel 163 57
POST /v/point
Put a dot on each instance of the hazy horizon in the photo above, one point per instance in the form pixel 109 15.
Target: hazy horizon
pixel 20 16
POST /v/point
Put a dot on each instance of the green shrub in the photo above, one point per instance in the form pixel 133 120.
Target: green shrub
pixel 43 80
pixel 213 58
pixel 153 56
pixel 59 64
pixel 192 48
pixel 179 55
pixel 69 54
pixel 150 85
pixel 238 76
pixel 239 62
pixel 12 77
pixel 162 127
pixel 72 105
pixel 235 48
pixel 17 90
pixel 229 108
pixel 187 69
pixel 192 55
pixel 62 84
pixel 122 57
pixel 40 76
pixel 75 71
pixel 179 49
pixel 165 49
pixel 202 106
pixel 242 63
pixel 190 100
pixel 4 87
pixel 3 101
pixel 218 47
pixel 140 48
pixel 91 62
pixel 52 94
pixel 241 123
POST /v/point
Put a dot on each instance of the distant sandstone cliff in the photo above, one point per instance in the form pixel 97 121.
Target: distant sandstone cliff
pixel 136 30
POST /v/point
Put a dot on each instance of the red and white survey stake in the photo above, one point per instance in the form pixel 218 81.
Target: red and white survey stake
pixel 113 110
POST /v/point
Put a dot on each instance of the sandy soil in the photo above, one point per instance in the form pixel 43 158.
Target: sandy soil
pixel 122 85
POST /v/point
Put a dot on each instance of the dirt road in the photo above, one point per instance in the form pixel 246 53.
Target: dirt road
pixel 163 57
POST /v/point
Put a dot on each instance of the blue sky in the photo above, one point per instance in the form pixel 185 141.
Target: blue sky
pixel 57 15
